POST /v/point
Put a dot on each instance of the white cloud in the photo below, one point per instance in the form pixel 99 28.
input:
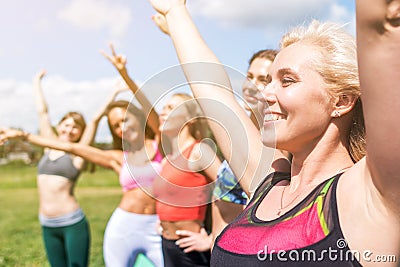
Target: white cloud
pixel 18 108
pixel 97 15
pixel 341 14
pixel 270 15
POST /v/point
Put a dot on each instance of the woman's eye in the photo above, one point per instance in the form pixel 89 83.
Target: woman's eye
pixel 287 81
pixel 265 81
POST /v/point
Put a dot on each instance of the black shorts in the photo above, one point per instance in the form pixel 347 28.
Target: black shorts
pixel 175 257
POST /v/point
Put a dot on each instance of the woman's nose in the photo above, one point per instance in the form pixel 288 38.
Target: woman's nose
pixel 68 130
pixel 163 111
pixel 268 93
pixel 118 130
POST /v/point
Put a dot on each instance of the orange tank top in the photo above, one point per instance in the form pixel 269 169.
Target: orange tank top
pixel 181 194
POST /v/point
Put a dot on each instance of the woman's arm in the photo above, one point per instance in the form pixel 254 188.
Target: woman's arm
pixel 218 102
pixel 119 62
pixel 45 127
pixel 204 158
pixel 111 159
pixel 91 128
pixel 378 44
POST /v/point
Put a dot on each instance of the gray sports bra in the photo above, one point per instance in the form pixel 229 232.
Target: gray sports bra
pixel 61 166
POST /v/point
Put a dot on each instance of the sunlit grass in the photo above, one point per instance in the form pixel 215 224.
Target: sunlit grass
pixel 20 233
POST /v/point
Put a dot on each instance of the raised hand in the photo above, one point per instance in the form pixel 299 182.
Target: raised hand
pixel 161 22
pixel 40 74
pixel 3 137
pixel 8 133
pixel 119 61
pixel 164 6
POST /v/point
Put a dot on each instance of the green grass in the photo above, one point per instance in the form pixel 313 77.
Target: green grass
pixel 20 233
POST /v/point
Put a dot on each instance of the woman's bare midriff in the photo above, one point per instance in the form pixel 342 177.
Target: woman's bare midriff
pixel 169 228
pixel 56 197
pixel 137 201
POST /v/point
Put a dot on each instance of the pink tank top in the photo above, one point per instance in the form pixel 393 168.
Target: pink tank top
pixel 157 157
pixel 131 176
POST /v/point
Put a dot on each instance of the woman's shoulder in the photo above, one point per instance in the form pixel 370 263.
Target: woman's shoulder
pixel 202 156
pixel 202 149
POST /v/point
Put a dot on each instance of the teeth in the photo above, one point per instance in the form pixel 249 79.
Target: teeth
pixel 272 117
pixel 269 117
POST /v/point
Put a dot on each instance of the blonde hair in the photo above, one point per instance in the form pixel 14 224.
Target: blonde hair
pixel 198 127
pixel 338 67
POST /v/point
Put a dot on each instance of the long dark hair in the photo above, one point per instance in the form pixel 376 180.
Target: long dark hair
pixel 137 112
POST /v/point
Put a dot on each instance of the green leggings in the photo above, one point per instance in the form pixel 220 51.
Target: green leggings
pixel 68 245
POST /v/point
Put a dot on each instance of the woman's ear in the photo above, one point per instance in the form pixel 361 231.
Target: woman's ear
pixel 344 104
pixel 393 13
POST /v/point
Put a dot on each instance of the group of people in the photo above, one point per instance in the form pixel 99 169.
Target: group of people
pixel 324 195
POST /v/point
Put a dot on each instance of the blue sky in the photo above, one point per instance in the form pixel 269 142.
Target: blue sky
pixel 65 36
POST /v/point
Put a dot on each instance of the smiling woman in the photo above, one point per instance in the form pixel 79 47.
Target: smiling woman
pixel 136 160
pixel 313 107
pixel 65 229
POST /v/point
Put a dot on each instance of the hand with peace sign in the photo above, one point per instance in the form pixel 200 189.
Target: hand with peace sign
pixel 119 61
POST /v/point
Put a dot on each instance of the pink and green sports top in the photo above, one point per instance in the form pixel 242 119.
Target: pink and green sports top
pixel 303 236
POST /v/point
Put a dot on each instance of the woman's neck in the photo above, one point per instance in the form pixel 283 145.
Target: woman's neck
pixel 137 147
pixel 142 155
pixel 318 164
pixel 181 142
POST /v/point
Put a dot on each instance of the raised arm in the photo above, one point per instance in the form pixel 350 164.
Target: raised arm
pixel 119 62
pixel 111 159
pixel 91 128
pixel 378 43
pixel 216 96
pixel 45 128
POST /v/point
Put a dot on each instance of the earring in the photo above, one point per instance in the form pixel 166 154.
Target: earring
pixel 336 114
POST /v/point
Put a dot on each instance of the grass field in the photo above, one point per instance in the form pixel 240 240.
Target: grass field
pixel 20 233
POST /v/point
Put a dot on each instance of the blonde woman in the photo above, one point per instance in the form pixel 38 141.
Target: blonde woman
pixel 340 196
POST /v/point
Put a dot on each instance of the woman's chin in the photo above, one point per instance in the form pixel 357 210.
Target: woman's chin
pixel 64 138
pixel 268 142
pixel 268 138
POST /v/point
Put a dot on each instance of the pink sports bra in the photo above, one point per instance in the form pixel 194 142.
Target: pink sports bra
pixel 131 176
pixel 157 157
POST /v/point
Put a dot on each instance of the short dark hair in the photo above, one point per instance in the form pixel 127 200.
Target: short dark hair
pixel 269 54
